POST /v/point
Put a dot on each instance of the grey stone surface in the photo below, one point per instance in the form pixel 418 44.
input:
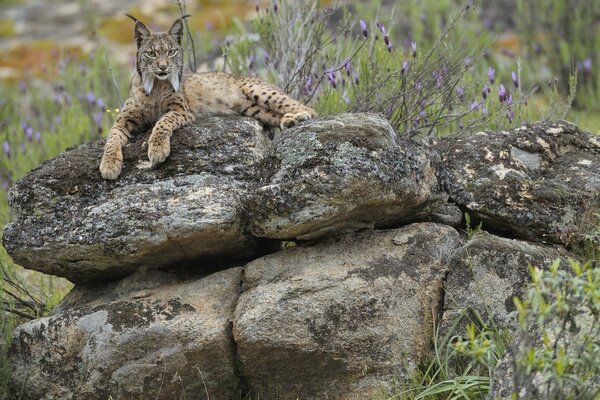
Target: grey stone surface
pixel 538 182
pixel 343 173
pixel 342 318
pixel 72 223
pixel 149 336
pixel 487 273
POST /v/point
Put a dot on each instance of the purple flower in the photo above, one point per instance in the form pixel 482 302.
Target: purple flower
pixel 331 79
pixel 439 81
pixel 22 87
pixel 382 29
pixel 100 104
pixel 29 133
pixel 90 98
pixel 97 119
pixel 38 137
pixel 413 46
pixel 389 48
pixel 404 69
pixel 348 67
pixel 5 186
pixel 307 89
pixel 468 62
pixel 267 60
pixel 501 93
pixel 513 75
pixel 511 116
pixel 491 74
pixel 461 125
pixel 275 7
pixel 6 148
pixel 355 76
pixel 257 5
pixel 474 105
pixel 484 92
pixel 23 125
pixel 509 99
pixel 460 92
pixel 587 65
pixel 251 61
pixel 363 28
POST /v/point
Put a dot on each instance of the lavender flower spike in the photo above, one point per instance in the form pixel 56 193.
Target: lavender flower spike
pixel 413 45
pixel 587 65
pixel 514 79
pixel 501 93
pixel 363 28
pixel 460 92
pixel 6 148
pixel 404 67
pixel 491 74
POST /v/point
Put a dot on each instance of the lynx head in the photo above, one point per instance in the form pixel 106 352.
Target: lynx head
pixel 159 54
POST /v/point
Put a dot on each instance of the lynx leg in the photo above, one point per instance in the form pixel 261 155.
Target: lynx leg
pixel 159 143
pixel 264 115
pixel 112 159
pixel 273 98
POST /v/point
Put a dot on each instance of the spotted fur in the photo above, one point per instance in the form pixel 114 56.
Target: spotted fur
pixel 162 97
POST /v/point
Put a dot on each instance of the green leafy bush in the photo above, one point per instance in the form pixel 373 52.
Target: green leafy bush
pixel 560 319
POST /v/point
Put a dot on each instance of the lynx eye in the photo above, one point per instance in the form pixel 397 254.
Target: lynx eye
pixel 171 52
pixel 150 54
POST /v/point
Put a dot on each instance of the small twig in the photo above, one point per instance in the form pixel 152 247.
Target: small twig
pixel 191 46
pixel 110 69
pixel 19 313
pixel 203 383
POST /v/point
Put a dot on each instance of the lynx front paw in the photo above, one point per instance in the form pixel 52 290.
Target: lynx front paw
pixel 158 150
pixel 111 164
pixel 291 119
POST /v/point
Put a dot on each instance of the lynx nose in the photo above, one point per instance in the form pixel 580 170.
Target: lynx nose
pixel 162 67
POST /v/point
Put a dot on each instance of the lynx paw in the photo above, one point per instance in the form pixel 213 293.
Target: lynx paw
pixel 158 150
pixel 111 164
pixel 291 119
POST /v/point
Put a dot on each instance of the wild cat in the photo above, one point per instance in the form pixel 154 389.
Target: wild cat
pixel 162 96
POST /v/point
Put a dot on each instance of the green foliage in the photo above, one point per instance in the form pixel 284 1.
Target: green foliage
pixel 461 363
pixel 337 63
pixel 39 121
pixel 469 228
pixel 563 35
pixel 560 319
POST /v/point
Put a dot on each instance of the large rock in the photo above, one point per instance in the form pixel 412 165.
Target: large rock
pixel 72 223
pixel 538 182
pixel 344 173
pixel 149 336
pixel 342 318
pixel 486 274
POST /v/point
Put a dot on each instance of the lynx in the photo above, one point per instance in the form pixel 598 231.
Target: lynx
pixel 162 96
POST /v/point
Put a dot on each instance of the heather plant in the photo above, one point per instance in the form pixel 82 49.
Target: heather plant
pixel 337 62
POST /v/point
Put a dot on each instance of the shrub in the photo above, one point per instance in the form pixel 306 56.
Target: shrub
pixel 338 62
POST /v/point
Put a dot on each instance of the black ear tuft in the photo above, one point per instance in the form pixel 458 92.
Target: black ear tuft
pixel 176 30
pixel 140 31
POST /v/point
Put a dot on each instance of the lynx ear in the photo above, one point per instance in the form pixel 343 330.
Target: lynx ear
pixel 140 31
pixel 176 30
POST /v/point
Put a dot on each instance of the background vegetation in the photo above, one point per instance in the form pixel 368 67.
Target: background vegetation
pixel 433 67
